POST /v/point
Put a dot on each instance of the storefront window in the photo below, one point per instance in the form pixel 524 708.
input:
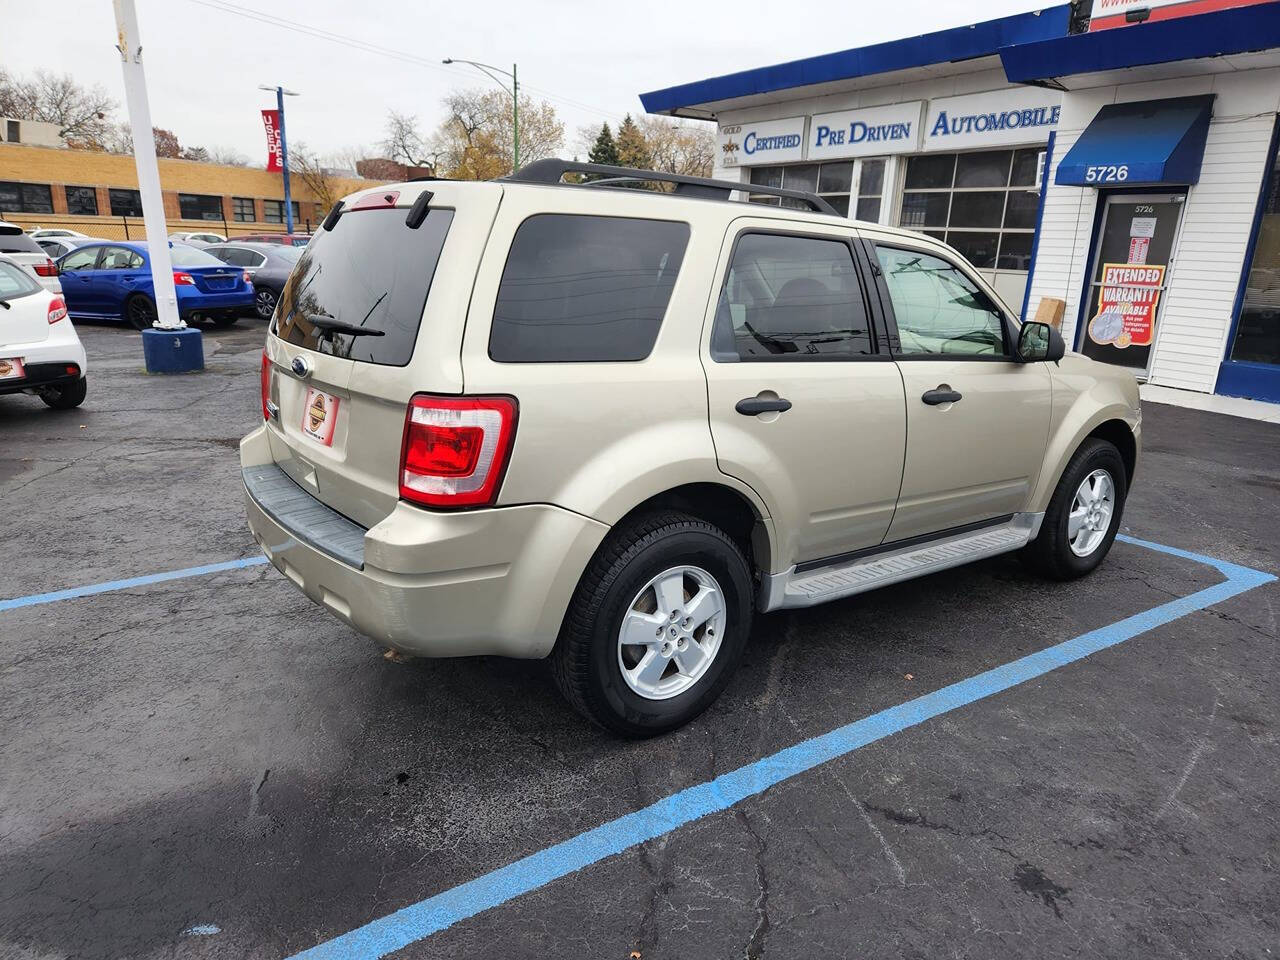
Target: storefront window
pixel 125 203
pixel 839 183
pixel 1258 334
pixel 983 204
pixel 199 206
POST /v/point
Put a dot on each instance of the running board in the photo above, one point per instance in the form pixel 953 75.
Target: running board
pixel 809 587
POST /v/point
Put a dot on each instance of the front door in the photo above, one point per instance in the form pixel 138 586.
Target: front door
pixel 977 421
pixel 805 407
pixel 1131 269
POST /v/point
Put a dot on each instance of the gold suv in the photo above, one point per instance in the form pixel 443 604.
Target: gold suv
pixel 609 424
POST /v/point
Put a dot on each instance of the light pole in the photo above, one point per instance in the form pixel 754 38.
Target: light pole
pixel 515 102
pixel 281 93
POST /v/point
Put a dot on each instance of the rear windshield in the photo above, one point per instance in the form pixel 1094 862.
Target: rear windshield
pixel 184 256
pixel 370 271
pixel 18 243
pixel 14 282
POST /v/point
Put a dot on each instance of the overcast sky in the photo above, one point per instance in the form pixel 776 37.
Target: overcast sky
pixel 204 60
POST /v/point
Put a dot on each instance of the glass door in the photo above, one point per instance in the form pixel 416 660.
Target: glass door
pixel 1130 274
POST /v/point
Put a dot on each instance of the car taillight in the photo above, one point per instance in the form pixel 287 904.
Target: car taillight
pixel 266 384
pixel 456 449
pixel 247 278
pixel 181 279
pixel 46 269
pixel 57 309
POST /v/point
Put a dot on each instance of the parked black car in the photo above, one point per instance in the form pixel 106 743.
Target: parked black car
pixel 269 264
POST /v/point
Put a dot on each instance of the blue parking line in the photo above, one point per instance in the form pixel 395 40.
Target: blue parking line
pixel 420 920
pixel 35 599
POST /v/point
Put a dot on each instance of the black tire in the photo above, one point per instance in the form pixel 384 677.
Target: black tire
pixel 1050 553
pixel 226 319
pixel 585 663
pixel 140 311
pixel 264 302
pixel 67 396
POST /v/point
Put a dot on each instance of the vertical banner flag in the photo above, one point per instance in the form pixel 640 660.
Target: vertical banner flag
pixel 271 120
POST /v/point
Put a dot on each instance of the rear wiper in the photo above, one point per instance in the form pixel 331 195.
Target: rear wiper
pixel 331 325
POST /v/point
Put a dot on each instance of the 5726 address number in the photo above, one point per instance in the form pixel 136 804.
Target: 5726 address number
pixel 1106 173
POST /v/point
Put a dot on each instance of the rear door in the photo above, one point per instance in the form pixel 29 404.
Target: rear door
pixel 341 408
pixel 806 405
pixel 120 273
pixel 976 457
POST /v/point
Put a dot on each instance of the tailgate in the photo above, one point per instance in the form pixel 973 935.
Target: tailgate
pixel 341 397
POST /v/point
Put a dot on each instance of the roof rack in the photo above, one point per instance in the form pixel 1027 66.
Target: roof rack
pixel 552 171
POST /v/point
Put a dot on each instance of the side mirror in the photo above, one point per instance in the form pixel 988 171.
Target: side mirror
pixel 1039 341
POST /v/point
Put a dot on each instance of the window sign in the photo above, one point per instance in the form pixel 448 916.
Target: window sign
pixel 770 141
pixel 991 119
pixel 1115 13
pixel 871 131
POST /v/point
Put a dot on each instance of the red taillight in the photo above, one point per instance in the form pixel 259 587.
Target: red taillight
pixel 57 309
pixel 181 279
pixel 46 269
pixel 266 384
pixel 247 278
pixel 455 449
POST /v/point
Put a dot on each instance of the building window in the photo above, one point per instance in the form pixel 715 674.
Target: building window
pixel 26 198
pixel 273 211
pixel 82 201
pixel 845 184
pixel 983 204
pixel 242 209
pixel 199 206
pixel 12 131
pixel 125 203
pixel 1258 332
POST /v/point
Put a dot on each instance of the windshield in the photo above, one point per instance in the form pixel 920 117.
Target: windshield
pixel 370 271
pixel 182 256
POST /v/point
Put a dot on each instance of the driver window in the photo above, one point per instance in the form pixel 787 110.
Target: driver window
pixel 939 310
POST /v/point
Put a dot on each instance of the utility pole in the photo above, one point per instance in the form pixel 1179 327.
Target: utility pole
pixel 170 346
pixel 281 93
pixel 488 71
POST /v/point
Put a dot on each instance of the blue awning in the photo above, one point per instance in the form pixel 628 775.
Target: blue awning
pixel 1132 144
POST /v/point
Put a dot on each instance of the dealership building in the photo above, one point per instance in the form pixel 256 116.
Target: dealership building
pixel 1115 166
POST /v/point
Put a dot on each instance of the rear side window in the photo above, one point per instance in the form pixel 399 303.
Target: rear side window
pixel 14 282
pixel 791 298
pixel 583 288
pixel 371 271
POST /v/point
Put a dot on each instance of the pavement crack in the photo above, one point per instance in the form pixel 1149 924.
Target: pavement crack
pixel 754 949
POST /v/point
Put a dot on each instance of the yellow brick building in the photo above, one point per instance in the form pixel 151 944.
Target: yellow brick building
pixel 97 194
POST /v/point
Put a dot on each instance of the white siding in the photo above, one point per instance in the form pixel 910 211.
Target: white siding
pixel 1196 315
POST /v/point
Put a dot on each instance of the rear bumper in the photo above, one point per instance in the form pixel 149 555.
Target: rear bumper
pixel 433 583
pixel 46 360
pixel 190 302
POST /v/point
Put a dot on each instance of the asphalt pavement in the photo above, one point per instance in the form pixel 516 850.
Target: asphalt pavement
pixel 214 767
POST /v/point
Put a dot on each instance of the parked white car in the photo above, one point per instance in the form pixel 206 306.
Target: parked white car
pixel 40 352
pixel 197 239
pixel 41 232
pixel 30 256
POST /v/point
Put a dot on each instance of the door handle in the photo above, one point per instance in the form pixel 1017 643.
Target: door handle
pixel 750 406
pixel 942 393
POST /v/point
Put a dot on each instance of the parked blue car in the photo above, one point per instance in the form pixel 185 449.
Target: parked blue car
pixel 112 280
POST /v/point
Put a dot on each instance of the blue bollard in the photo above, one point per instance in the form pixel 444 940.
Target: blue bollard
pixel 173 351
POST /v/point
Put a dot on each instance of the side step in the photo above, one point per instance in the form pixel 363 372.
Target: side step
pixel 810 587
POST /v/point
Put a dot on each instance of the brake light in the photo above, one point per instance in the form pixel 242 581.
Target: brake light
pixel 456 449
pixel 247 278
pixel 57 309
pixel 181 279
pixel 46 269
pixel 266 384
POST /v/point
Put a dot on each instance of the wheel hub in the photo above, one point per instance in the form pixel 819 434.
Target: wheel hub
pixel 671 633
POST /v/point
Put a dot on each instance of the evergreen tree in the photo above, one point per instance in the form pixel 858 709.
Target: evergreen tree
pixel 604 150
pixel 633 148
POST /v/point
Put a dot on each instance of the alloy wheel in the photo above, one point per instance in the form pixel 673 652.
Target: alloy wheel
pixel 1091 512
pixel 671 632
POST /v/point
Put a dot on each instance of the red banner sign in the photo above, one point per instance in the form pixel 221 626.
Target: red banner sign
pixel 271 120
pixel 1127 305
pixel 1122 13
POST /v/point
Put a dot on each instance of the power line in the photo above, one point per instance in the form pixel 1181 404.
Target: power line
pixel 285 24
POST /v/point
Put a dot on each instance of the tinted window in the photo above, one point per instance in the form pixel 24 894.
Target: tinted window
pixel 18 243
pixel 82 201
pixel 581 288
pixel 125 203
pixel 181 255
pixel 14 282
pixel 791 298
pixel 938 309
pixel 80 260
pixel 198 206
pixel 26 197
pixel 370 271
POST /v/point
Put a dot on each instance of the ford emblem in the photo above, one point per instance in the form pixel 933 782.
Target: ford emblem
pixel 301 366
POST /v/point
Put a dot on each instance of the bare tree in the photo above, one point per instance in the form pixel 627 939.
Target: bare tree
pixel 309 168
pixel 199 154
pixel 228 157
pixel 83 114
pixel 404 142
pixel 475 141
pixel 679 147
